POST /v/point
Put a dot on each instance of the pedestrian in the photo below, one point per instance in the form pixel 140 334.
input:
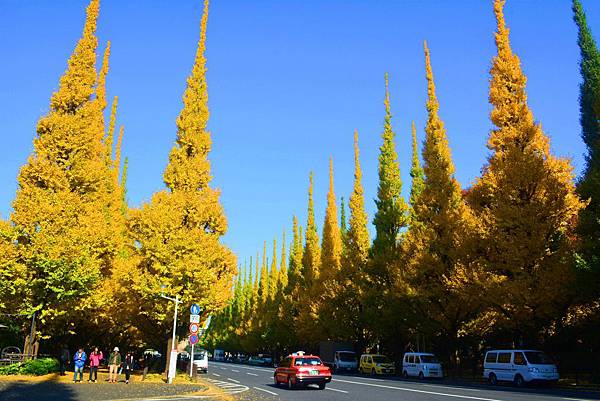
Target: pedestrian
pixel 114 361
pixel 146 361
pixel 64 358
pixel 128 365
pixel 79 358
pixel 95 358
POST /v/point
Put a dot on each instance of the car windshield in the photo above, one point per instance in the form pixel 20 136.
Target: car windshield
pixel 538 358
pixel 307 361
pixel 347 356
pixel 381 359
pixel 199 356
pixel 428 359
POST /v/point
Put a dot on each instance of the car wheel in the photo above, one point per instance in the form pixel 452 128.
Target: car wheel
pixel 373 372
pixel 519 382
pixel 493 379
pixel 290 385
pixel 322 386
pixel 421 376
pixel 405 374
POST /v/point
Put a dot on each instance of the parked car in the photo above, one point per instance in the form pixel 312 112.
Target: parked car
pixel 299 369
pixel 261 360
pixel 152 352
pixel 421 365
pixel 201 361
pixel 219 355
pixel 376 364
pixel 519 366
pixel 338 356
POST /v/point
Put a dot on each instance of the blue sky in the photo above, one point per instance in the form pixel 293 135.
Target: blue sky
pixel 289 81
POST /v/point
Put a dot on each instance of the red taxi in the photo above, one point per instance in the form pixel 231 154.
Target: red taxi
pixel 299 369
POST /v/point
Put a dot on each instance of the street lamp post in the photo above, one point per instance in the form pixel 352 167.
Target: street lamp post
pixel 173 346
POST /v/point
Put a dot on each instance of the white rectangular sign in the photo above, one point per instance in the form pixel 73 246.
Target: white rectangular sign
pixel 194 318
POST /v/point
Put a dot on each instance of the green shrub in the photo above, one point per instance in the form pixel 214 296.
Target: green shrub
pixel 39 367
pixel 11 369
pixel 35 367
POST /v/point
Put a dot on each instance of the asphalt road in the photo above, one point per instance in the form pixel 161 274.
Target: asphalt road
pixel 256 383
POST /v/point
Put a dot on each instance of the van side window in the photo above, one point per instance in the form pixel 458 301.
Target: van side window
pixel 504 357
pixel 406 358
pixel 411 359
pixel 417 359
pixel 520 359
pixel 491 357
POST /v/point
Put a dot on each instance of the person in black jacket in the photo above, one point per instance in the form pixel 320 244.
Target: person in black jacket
pixel 128 365
pixel 64 358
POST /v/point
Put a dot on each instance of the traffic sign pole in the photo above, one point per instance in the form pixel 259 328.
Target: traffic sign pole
pixel 192 362
pixel 194 328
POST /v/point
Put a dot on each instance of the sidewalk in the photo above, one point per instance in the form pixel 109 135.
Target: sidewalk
pixel 55 387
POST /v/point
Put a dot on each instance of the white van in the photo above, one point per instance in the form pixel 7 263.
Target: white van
pixel 519 367
pixel 345 360
pixel 201 361
pixel 421 365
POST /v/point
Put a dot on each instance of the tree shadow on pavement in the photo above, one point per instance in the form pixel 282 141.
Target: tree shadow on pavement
pixel 42 391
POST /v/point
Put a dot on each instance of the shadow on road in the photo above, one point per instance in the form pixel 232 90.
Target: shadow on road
pixel 42 391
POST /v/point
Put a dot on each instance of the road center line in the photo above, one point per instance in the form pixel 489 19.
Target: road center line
pixel 236 371
pixel 576 399
pixel 450 387
pixel 257 369
pixel 335 389
pixel 412 390
pixel 366 378
pixel 251 374
pixel 266 391
pixel 216 374
pixel 233 380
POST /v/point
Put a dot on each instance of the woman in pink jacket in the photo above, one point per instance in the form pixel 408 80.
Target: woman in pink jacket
pixel 95 358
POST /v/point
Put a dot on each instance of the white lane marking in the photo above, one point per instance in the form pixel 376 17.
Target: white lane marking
pixel 233 380
pixel 236 371
pixel 223 368
pixel 335 389
pixel 576 399
pixel 450 387
pixel 266 391
pixel 229 388
pixel 366 378
pixel 216 374
pixel 251 374
pixel 249 368
pixel 412 390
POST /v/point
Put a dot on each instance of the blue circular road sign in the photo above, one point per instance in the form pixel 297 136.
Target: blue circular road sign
pixel 193 339
pixel 195 309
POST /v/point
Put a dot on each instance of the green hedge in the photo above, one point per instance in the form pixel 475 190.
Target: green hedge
pixel 35 367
